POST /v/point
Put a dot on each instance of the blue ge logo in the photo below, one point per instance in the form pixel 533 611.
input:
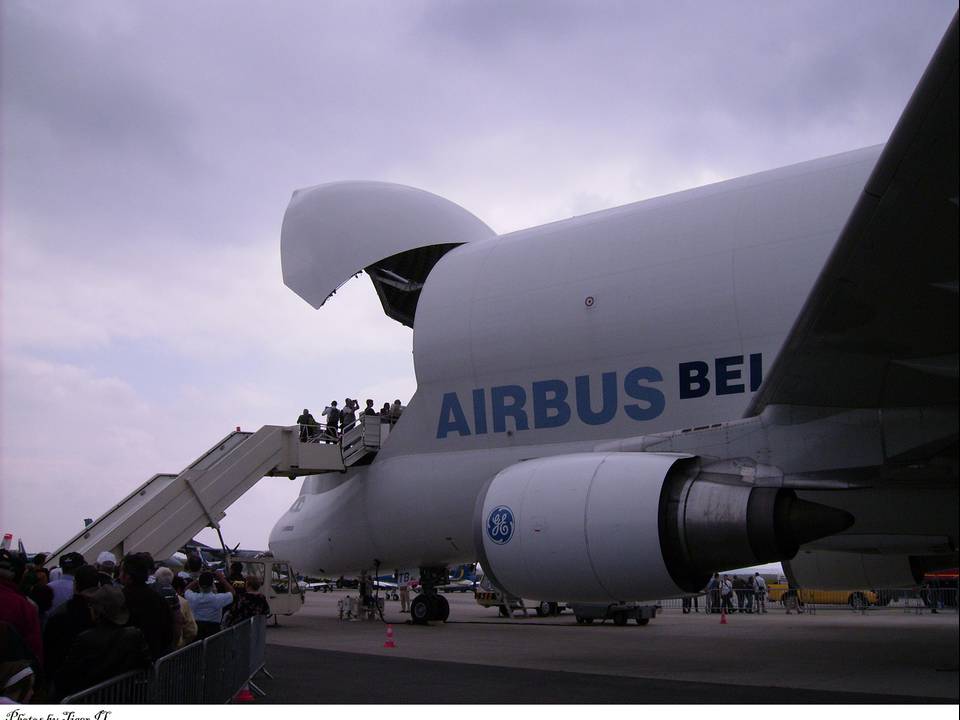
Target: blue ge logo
pixel 500 525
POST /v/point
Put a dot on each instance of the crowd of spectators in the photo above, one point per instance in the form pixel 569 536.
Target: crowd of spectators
pixel 93 622
pixel 340 420
pixel 740 593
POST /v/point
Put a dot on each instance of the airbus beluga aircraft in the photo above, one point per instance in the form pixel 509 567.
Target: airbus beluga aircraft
pixel 614 406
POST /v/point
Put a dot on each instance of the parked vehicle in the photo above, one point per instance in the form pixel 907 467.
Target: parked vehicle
pixel 620 613
pixel 487 595
pixel 854 598
pixel 278 581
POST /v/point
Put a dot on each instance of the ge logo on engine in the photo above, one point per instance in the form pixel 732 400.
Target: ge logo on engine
pixel 500 525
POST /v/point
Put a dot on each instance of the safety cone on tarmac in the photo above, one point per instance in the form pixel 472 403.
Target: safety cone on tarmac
pixel 389 643
pixel 723 616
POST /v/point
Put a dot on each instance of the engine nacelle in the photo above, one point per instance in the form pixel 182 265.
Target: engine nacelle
pixel 632 526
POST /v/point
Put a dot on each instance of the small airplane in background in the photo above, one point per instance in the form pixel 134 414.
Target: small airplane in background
pixel 317 586
pixel 463 578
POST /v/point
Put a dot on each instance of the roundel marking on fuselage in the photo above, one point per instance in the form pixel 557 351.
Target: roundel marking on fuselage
pixel 500 525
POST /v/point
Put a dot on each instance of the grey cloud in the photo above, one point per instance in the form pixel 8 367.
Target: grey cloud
pixel 92 86
pixel 149 130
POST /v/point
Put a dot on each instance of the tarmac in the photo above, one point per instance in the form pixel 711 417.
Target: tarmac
pixel 887 655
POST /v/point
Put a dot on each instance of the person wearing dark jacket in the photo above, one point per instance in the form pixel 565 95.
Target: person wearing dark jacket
pixel 70 619
pixel 308 426
pixel 237 578
pixel 250 604
pixel 333 419
pixel 147 610
pixel 106 650
pixel 34 585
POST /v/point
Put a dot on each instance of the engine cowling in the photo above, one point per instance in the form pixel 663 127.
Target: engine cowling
pixel 622 526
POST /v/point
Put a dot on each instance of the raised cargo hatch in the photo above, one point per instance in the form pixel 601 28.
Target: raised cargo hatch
pixel 394 232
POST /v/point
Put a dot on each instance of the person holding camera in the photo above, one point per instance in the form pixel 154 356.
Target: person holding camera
pixel 208 595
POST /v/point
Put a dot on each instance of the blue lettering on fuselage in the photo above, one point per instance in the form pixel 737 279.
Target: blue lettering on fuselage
pixel 595 400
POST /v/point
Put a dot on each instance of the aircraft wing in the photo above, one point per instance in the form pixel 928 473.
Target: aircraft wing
pixel 879 328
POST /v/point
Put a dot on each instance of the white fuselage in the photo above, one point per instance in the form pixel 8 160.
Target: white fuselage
pixel 650 317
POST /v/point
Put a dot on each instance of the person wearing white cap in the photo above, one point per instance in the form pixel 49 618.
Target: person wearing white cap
pixel 107 565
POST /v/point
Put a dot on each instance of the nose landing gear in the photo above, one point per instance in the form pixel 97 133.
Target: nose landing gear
pixel 429 605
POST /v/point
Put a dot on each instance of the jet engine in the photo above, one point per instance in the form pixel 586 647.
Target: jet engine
pixel 623 526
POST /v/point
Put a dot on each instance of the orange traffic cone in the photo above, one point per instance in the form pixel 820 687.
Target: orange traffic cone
pixel 389 643
pixel 244 695
pixel 723 616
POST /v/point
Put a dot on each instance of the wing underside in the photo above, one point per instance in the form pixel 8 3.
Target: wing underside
pixel 879 328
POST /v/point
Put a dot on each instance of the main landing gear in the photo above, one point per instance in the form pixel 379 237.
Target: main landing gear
pixel 429 605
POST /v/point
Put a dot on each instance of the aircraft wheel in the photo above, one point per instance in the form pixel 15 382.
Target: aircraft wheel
pixel 619 618
pixel 441 610
pixel 420 610
pixel 543 609
pixel 554 608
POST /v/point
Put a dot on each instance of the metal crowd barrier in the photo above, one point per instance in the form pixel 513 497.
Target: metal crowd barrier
pixel 178 677
pixel 258 646
pixel 918 600
pixel 132 687
pixel 216 677
pixel 211 671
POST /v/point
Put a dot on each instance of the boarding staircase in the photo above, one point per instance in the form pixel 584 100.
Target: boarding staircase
pixel 168 510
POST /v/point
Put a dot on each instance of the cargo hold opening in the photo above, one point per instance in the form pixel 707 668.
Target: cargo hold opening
pixel 399 278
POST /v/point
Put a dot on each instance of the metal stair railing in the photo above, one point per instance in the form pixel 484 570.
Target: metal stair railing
pixel 363 437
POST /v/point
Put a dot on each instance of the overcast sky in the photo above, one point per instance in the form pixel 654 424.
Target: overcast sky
pixel 149 151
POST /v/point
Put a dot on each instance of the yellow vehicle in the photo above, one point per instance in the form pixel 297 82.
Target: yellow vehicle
pixel 487 596
pixel 853 598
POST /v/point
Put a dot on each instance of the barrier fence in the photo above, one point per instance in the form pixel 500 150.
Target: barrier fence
pixel 211 671
pixel 178 677
pixel 131 688
pixel 907 599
